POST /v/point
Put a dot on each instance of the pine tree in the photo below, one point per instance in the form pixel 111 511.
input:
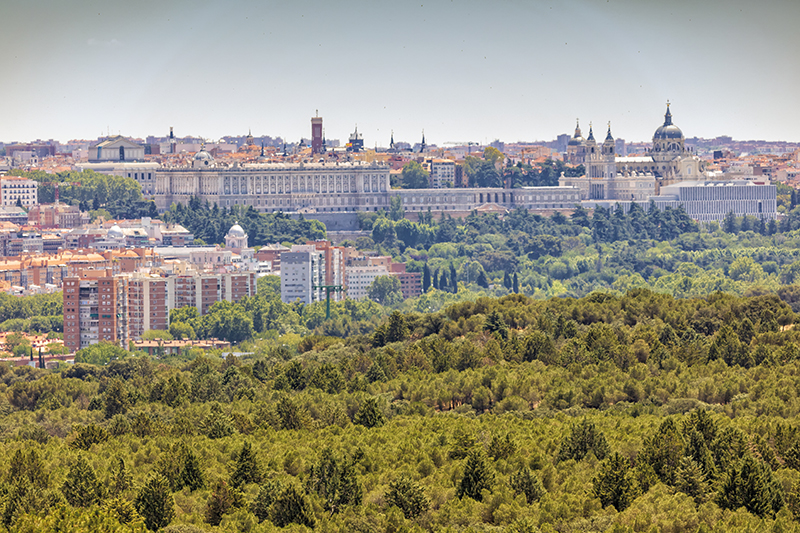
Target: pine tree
pixel 397 330
pixel 82 488
pixel 453 279
pixel 247 468
pixel 370 414
pixel 192 475
pixel 121 480
pixel 615 484
pixel 267 496
pixel 691 480
pixel 507 281
pixel 154 502
pixel 293 507
pixel 477 476
pixel 408 496
pixel 426 278
pixel 527 483
pixel 752 485
pixel 583 438
pixel 515 284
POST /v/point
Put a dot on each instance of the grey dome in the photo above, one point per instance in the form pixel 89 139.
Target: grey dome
pixel 202 155
pixel 115 232
pixel 236 231
pixel 668 131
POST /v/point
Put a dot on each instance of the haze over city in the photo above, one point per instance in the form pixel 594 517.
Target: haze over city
pixel 462 71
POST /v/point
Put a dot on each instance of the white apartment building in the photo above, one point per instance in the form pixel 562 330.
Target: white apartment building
pixel 302 272
pixel 13 188
pixel 443 173
pixel 359 278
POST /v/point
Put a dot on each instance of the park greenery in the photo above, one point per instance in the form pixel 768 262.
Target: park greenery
pixel 211 223
pixel 612 412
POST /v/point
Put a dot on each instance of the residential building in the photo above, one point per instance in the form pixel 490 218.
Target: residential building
pixel 302 272
pixel 442 173
pixel 15 189
pixel 333 257
pixel 54 216
pixel 95 309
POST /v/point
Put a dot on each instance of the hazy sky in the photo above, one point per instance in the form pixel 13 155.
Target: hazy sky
pixel 460 70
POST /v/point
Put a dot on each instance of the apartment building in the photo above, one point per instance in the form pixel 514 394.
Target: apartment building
pixel 302 272
pixel 100 305
pixel 95 309
pixel 442 172
pixel 333 257
pixel 15 189
pixel 149 300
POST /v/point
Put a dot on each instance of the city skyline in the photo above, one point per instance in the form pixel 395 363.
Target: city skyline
pixel 468 71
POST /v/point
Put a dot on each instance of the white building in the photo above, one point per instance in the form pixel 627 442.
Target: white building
pixel 706 201
pixel 302 272
pixel 443 173
pixel 116 148
pixel 359 278
pixel 15 188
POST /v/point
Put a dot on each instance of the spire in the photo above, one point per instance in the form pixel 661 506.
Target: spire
pixel 591 133
pixel 262 148
pixel 391 141
pixel 668 116
pixel 608 135
pixel 577 128
pixel 422 146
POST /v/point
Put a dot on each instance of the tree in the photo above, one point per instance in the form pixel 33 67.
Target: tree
pixel 223 500
pixel 615 484
pixel 396 211
pixel 120 481
pixel 527 483
pixel 583 438
pixel 247 468
pixel 414 176
pixel 752 485
pixel 477 476
pixel 116 399
pixel 515 284
pixel 426 278
pixel 385 290
pixel 293 507
pixel 397 329
pixel 82 488
pixel 335 481
pixel 408 496
pixel 154 502
pixel 370 414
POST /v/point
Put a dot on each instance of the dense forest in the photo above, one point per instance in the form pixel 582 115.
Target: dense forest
pixel 635 412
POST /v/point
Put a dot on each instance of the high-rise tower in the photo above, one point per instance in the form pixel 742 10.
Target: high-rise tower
pixel 316 134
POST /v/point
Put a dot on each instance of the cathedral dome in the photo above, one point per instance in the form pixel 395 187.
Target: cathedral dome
pixel 202 155
pixel 236 231
pixel 668 131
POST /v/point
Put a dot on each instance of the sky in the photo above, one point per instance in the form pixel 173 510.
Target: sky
pixel 462 71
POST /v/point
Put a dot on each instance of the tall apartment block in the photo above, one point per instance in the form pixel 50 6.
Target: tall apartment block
pixel 101 306
pixel 302 271
pixel 333 257
pixel 95 309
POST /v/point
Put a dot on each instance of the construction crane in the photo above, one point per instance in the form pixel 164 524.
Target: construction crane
pixel 328 290
pixel 468 144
